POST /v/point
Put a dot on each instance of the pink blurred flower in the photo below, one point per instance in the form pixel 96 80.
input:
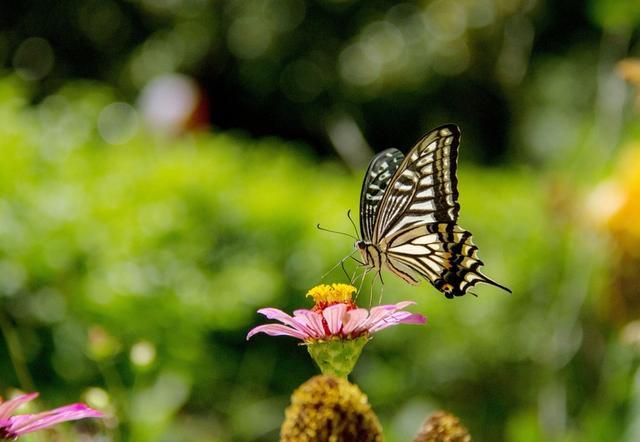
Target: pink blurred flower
pixel 336 321
pixel 12 426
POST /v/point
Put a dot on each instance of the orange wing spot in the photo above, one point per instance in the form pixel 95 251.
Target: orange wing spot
pixel 447 258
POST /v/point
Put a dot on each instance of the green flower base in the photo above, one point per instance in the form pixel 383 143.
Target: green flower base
pixel 337 357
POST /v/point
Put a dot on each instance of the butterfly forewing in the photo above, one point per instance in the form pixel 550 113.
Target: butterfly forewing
pixel 380 171
pixel 424 189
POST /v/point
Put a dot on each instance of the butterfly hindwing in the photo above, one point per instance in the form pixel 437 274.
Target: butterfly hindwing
pixel 425 188
pixel 442 253
pixel 381 169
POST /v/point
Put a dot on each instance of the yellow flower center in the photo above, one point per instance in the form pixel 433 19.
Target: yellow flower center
pixel 325 295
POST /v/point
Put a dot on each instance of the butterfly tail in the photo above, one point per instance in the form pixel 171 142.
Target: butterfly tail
pixel 489 281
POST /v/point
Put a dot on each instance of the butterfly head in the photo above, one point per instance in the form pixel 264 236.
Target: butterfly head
pixel 369 253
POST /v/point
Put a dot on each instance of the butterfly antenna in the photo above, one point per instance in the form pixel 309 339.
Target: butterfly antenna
pixel 355 229
pixel 335 231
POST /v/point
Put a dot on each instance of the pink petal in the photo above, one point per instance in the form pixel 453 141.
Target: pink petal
pixel 27 423
pixel 383 308
pixel 384 316
pixel 382 311
pixel 7 408
pixel 279 315
pixel 398 318
pixel 314 322
pixel 274 313
pixel 335 315
pixel 391 307
pixel 413 318
pixel 354 320
pixel 376 315
pixel 401 305
pixel 277 330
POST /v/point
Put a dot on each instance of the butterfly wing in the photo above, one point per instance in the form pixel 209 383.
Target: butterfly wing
pixel 380 171
pixel 424 188
pixel 443 253
pixel 416 224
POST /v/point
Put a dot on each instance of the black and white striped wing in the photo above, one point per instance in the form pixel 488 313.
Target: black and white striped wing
pixel 442 253
pixel 416 219
pixel 424 188
pixel 379 173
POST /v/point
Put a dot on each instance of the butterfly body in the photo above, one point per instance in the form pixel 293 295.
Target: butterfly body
pixel 408 215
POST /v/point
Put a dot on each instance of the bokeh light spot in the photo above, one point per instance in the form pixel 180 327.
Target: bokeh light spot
pixel 33 59
pixel 359 65
pixel 12 277
pixel 301 81
pixel 143 354
pixel 285 14
pixel 446 19
pixel 249 37
pixel 97 397
pixel 168 101
pixel 385 40
pixel 118 123
pixel 451 58
pixel 104 23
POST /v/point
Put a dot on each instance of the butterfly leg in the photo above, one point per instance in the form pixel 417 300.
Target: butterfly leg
pixel 373 283
pixel 381 287
pixel 364 275
pixel 378 275
pixel 341 263
pixel 344 270
pixel 360 264
pixel 353 276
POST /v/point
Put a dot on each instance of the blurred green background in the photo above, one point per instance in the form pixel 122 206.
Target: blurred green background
pixel 163 164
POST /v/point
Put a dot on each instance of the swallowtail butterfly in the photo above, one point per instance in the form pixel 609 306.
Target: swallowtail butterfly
pixel 408 213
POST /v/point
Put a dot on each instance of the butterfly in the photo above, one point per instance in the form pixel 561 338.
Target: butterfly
pixel 408 213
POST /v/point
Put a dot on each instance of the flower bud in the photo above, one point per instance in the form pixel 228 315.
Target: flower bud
pixel 328 408
pixel 442 427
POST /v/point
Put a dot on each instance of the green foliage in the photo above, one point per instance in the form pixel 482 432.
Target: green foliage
pixel 138 268
pixel 173 245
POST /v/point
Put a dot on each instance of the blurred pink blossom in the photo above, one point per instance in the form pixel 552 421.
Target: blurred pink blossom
pixel 12 426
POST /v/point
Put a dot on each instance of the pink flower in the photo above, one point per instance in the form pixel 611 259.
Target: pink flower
pixel 336 321
pixel 13 426
pixel 336 330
